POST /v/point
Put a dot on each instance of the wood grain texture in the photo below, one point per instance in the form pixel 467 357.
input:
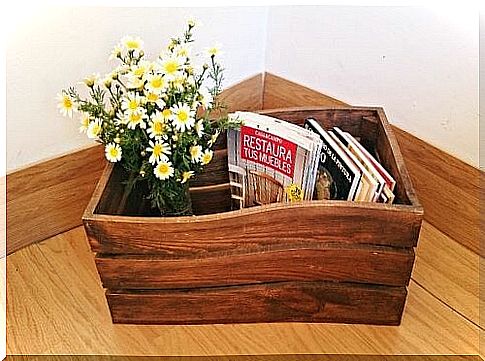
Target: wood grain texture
pixel 281 93
pixel 332 262
pixel 448 188
pixel 275 302
pixel 291 357
pixel 255 228
pixel 442 262
pixel 245 95
pixel 45 318
pixel 49 197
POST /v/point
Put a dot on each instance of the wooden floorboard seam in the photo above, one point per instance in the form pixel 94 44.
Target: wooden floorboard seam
pixel 447 305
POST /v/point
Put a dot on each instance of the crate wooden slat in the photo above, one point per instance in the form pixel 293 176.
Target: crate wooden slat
pixel 332 262
pixel 345 261
pixel 275 302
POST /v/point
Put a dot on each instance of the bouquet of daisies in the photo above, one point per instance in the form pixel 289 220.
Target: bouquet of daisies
pixel 158 119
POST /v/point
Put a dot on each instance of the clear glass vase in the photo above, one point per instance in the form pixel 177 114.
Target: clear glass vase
pixel 174 200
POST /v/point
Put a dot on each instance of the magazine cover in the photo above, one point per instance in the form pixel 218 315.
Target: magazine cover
pixel 270 161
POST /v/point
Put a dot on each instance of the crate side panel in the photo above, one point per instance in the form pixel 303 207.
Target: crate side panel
pixel 285 302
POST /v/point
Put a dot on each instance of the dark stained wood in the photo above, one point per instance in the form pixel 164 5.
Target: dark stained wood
pixel 391 158
pixel 215 172
pixel 331 262
pixel 262 264
pixel 276 302
pixel 361 122
pixel 312 222
pixel 211 199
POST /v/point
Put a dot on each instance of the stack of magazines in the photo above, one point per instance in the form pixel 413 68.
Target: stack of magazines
pixel 271 160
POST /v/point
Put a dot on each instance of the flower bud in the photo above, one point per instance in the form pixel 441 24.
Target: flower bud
pixel 142 153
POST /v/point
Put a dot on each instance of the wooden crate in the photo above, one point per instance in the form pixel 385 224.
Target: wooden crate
pixel 315 261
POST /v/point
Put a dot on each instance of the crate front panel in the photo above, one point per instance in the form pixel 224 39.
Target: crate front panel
pixel 332 262
pixel 313 223
pixel 277 302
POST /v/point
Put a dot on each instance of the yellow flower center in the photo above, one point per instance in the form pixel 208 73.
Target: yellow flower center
pixel 135 117
pixel 157 150
pixel 163 168
pixel 132 44
pixel 171 67
pixel 183 116
pixel 113 152
pixel 132 104
pixel 96 129
pixel 152 97
pixel 194 152
pixel 158 127
pixel 67 102
pixel 166 113
pixel 206 158
pixel 156 82
pixel 139 71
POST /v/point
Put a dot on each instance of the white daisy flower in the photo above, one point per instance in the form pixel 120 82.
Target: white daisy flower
pixel 214 50
pixel 91 80
pixel 163 170
pixel 66 105
pixel 157 127
pixel 132 102
pixel 179 83
pixel 205 97
pixel 141 69
pixel 137 117
pixel 195 153
pixel 171 66
pixel 182 50
pixel 84 123
pixel 183 117
pixel 199 128
pixel 156 83
pixel 116 52
pixel 94 128
pixel 154 98
pixel 166 114
pixel 134 82
pixel 159 152
pixel 131 43
pixel 206 156
pixel 113 152
pixel 186 176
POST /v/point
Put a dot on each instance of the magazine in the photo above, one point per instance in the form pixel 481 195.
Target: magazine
pixel 337 176
pixel 270 161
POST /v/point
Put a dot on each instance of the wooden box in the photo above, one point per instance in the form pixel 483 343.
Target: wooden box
pixel 314 261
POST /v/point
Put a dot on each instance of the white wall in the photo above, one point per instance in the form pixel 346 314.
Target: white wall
pixel 57 47
pixel 420 64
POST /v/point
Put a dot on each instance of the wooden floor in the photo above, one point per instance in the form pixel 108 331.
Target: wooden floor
pixel 56 306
